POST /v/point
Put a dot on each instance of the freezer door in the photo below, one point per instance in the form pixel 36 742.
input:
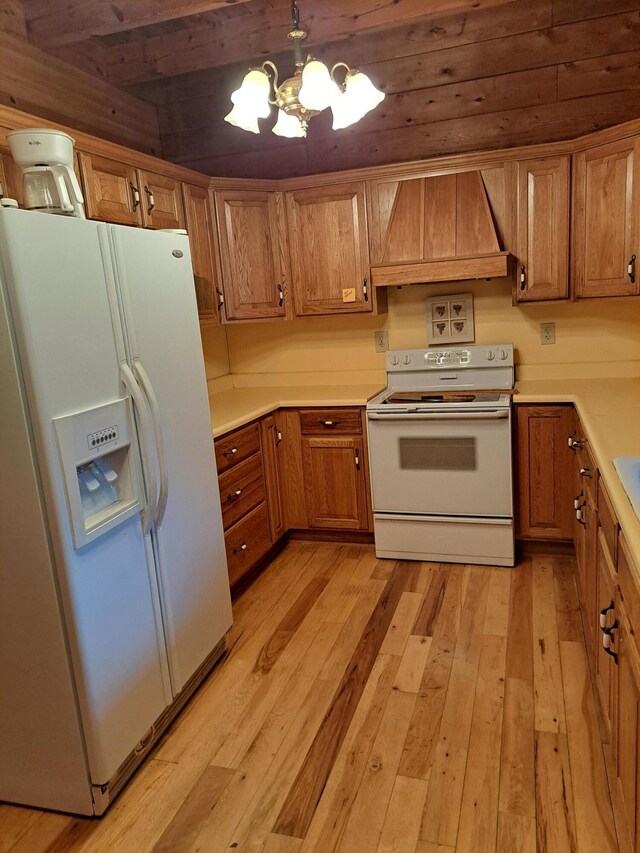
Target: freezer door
pixel 67 341
pixel 165 352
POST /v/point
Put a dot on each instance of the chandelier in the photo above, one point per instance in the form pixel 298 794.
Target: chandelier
pixel 312 89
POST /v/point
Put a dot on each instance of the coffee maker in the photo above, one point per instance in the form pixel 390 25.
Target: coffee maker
pixel 49 182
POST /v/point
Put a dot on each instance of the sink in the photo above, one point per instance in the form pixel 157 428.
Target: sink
pixel 628 468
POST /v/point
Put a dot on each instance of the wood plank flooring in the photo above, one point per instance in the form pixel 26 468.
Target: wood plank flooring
pixel 371 706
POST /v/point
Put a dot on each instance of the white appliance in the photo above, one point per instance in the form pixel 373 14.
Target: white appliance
pixel 114 593
pixel 440 456
pixel 45 157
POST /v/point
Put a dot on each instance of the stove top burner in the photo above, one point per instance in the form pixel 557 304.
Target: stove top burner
pixel 449 397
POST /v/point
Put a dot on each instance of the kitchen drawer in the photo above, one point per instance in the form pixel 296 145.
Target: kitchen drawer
pixel 232 449
pixel 323 421
pixel 241 489
pixel 247 541
pixel 608 522
pixel 628 581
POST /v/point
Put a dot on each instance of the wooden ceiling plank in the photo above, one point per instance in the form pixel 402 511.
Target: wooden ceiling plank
pixel 52 24
pixel 223 38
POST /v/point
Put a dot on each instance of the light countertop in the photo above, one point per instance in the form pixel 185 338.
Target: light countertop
pixel 238 406
pixel 609 410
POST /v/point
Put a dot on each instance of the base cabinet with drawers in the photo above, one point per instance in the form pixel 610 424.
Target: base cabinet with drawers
pixel 305 470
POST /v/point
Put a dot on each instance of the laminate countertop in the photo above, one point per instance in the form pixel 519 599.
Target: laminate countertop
pixel 238 406
pixel 609 410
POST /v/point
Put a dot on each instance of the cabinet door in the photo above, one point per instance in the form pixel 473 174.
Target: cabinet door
pixel 334 477
pixel 543 230
pixel 253 265
pixel 604 601
pixel 198 209
pixel 161 200
pixel 11 177
pixel 111 190
pixel 545 484
pixel 329 250
pixel 605 236
pixel 626 722
pixel 271 450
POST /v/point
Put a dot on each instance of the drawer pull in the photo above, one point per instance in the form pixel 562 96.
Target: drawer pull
pixel 631 269
pixel 357 460
pixel 365 289
pixel 242 547
pixel 580 518
pixel 280 295
pixel 579 501
pixel 329 423
pixel 586 472
pixel 575 443
pixel 603 617
pixel 231 452
pixel 234 495
pixel 523 278
pixel 278 434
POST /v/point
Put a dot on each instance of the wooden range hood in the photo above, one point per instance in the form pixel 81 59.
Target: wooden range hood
pixel 438 228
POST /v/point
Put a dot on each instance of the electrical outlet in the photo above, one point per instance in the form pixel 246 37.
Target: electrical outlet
pixel 547 333
pixel 381 340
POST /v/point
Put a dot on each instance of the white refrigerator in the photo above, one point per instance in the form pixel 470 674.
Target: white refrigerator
pixel 114 593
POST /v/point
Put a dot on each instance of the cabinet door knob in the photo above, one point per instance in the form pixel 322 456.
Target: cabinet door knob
pixel 151 202
pixel 523 278
pixel 631 269
pixel 135 192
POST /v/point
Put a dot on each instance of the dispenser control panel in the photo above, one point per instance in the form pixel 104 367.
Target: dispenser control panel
pixel 104 437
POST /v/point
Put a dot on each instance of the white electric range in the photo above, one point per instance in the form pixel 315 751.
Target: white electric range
pixel 440 456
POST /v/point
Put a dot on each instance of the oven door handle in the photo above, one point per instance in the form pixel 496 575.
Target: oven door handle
pixel 440 416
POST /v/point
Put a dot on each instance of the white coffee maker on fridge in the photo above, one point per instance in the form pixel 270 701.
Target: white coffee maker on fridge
pixel 45 157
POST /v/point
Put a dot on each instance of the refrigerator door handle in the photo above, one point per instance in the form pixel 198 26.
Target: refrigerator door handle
pixel 147 387
pixel 151 482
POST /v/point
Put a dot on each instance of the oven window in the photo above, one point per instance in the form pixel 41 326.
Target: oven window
pixel 438 454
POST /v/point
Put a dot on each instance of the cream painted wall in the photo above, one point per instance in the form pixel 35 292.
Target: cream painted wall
pixel 594 338
pixel 214 348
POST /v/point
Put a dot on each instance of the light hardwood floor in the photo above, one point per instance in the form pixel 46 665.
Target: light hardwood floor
pixel 370 706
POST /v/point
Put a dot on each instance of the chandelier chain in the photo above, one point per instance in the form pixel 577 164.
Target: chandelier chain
pixel 295 15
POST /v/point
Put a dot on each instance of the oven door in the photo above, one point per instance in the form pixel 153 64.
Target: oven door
pixel 441 463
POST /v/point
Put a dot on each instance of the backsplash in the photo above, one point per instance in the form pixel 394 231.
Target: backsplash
pixel 594 338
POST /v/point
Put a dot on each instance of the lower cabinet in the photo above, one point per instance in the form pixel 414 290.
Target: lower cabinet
pixel 605 619
pixel 544 465
pixel 303 470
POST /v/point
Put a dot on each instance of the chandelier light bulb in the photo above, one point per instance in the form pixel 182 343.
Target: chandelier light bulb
pixel 243 118
pixel 345 111
pixel 253 94
pixel 363 93
pixel 288 126
pixel 318 90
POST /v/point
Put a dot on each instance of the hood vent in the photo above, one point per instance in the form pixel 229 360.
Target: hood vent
pixel 439 229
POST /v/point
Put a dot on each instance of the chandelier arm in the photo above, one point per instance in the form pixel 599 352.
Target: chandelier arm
pixel 340 65
pixel 269 64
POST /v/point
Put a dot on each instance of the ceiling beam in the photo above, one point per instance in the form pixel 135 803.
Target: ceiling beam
pixel 234 34
pixel 52 24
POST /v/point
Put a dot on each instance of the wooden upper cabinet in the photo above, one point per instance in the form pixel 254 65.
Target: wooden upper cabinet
pixel 198 207
pixel 10 177
pixel 111 191
pixel 329 250
pixel 254 266
pixel 161 201
pixel 606 218
pixel 543 230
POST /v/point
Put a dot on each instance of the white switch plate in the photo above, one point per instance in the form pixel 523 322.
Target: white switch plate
pixel 381 340
pixel 547 333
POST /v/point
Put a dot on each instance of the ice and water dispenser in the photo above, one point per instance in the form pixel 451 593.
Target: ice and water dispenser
pixel 101 469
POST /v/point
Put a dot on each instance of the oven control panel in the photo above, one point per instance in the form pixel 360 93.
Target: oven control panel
pixel 477 355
